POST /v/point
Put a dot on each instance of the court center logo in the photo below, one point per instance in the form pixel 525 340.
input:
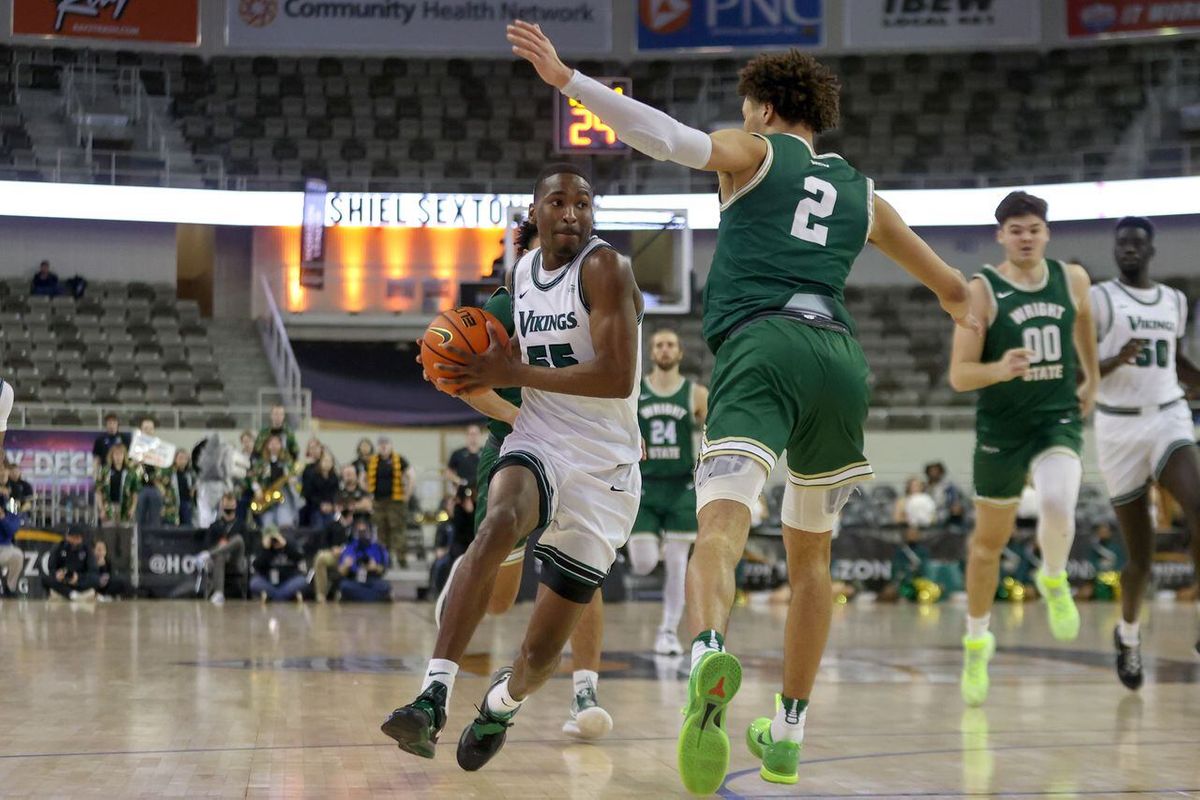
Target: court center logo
pixel 666 16
pixel 258 13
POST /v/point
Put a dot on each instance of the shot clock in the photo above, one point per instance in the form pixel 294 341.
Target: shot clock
pixel 577 131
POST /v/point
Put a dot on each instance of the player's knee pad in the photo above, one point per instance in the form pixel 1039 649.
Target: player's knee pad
pixel 643 553
pixel 726 477
pixel 1057 477
pixel 813 509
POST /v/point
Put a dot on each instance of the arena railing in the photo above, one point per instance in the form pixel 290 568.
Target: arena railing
pixel 279 352
pixel 91 417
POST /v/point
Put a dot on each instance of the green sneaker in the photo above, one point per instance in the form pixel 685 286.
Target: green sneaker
pixel 1064 616
pixel 976 655
pixel 484 737
pixel 416 726
pixel 703 750
pixel 780 760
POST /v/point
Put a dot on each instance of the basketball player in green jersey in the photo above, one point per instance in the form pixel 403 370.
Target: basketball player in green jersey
pixel 788 372
pixel 1029 418
pixel 586 718
pixel 669 407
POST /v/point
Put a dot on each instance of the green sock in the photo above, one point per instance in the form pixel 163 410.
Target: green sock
pixel 707 641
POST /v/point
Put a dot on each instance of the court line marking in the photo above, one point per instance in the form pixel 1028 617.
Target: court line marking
pixel 731 794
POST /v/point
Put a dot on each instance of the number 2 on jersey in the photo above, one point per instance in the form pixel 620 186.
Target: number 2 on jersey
pixel 820 205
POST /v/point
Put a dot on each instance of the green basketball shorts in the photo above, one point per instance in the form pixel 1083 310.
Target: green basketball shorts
pixel 1003 462
pixel 779 384
pixel 488 456
pixel 667 508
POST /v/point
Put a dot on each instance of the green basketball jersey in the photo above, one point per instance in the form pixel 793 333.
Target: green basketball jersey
pixel 500 306
pixel 667 423
pixel 1042 320
pixel 796 227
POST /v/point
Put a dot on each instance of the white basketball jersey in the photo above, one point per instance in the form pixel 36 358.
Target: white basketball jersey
pixel 1158 315
pixel 553 329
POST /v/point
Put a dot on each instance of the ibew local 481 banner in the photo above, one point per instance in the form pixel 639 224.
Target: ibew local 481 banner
pixel 888 24
pixel 474 27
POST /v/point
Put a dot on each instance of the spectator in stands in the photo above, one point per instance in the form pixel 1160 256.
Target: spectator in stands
pixel 916 509
pixel 12 561
pixel 72 569
pixel 271 482
pixel 949 499
pixel 910 562
pixel 464 462
pixel 246 439
pixel 104 442
pixel 337 533
pixel 182 486
pixel 363 453
pixel 117 489
pixel 351 488
pixel 389 479
pixel 280 428
pixel 109 582
pixel 278 569
pixel 455 535
pixel 19 489
pixel 363 564
pixel 226 544
pixel 320 486
pixel 148 426
pixel 44 281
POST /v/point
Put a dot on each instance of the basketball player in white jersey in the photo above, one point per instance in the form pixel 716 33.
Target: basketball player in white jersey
pixel 1144 430
pixel 570 466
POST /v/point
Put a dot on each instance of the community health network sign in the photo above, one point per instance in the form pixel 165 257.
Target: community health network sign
pixel 475 27
pixel 724 24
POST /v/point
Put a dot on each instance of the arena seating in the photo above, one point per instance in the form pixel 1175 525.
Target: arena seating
pixel 128 345
pixel 477 125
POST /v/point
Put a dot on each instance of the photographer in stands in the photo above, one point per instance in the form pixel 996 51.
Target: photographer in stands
pixel 363 564
pixel 227 543
pixel 12 560
pixel 278 569
pixel 72 569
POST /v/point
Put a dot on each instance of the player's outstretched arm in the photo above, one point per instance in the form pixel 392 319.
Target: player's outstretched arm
pixel 967 371
pixel 898 242
pixel 1085 338
pixel 638 125
pixel 492 406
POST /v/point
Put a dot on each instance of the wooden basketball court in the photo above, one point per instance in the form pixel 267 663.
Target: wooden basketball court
pixel 182 699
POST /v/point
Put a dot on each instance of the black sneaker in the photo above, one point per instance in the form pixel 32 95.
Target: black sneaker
pixel 1129 662
pixel 484 737
pixel 416 726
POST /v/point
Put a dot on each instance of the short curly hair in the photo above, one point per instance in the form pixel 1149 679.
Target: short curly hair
pixel 799 88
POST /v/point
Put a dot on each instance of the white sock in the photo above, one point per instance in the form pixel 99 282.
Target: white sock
pixel 705 644
pixel 585 679
pixel 1129 633
pixel 978 626
pixel 675 558
pixel 500 701
pixel 442 671
pixel 788 726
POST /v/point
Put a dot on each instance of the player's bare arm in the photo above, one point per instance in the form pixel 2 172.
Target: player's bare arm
pixel 492 406
pixel 1085 338
pixel 1188 372
pixel 967 371
pixel 898 242
pixel 700 403
pixel 731 152
pixel 611 290
pixel 1126 355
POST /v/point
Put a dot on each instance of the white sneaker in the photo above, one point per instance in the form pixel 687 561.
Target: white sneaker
pixel 86 595
pixel 217 599
pixel 439 606
pixel 587 720
pixel 103 598
pixel 667 643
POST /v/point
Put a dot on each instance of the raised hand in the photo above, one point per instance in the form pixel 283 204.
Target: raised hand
pixel 531 44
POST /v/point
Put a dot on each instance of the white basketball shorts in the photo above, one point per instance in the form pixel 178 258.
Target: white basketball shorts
pixel 1133 449
pixel 585 516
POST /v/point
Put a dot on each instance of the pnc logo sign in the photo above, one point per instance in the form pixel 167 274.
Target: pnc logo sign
pixel 666 16
pixel 258 13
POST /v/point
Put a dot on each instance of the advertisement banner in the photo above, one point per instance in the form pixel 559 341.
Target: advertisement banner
pixel 1092 18
pixel 892 24
pixel 174 22
pixel 577 27
pixel 699 24
pixel 167 560
pixel 54 462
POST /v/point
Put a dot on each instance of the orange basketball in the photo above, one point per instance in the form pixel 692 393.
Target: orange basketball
pixel 464 328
